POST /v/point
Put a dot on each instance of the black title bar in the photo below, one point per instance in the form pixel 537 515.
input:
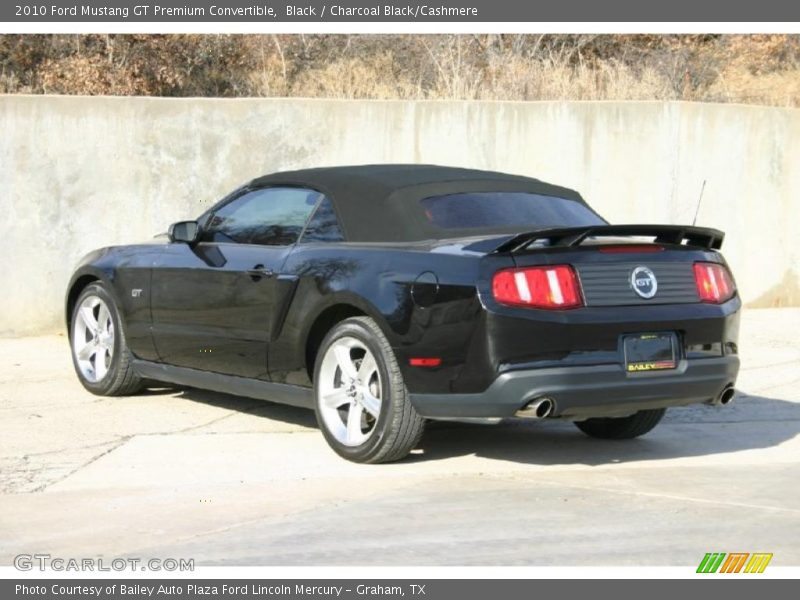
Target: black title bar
pixel 197 11
pixel 731 588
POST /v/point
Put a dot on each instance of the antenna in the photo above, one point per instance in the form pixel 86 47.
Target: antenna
pixel 699 200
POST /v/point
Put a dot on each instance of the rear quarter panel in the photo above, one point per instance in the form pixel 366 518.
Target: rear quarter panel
pixel 420 314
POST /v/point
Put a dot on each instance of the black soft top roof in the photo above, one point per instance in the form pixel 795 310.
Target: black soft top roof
pixel 380 203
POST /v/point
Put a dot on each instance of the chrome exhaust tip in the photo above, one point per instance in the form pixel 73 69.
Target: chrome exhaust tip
pixel 539 408
pixel 726 397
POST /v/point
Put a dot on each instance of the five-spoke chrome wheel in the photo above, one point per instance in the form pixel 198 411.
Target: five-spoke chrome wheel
pixel 93 338
pixel 362 404
pixel 349 391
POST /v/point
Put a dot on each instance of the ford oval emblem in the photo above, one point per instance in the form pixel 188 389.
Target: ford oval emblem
pixel 643 282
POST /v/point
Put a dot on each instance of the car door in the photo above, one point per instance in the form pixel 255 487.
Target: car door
pixel 216 302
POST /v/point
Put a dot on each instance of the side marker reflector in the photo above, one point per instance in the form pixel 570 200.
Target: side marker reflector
pixel 425 362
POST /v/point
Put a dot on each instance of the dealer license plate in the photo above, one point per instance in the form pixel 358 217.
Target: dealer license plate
pixel 649 352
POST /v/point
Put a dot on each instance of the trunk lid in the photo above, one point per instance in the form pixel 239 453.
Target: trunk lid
pixel 620 265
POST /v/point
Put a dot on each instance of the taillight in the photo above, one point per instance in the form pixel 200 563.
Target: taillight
pixel 551 287
pixel 714 282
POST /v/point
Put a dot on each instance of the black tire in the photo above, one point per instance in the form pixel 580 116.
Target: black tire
pixel 398 428
pixel 622 428
pixel 120 379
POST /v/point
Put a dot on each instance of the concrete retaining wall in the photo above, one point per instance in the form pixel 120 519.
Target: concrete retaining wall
pixel 77 173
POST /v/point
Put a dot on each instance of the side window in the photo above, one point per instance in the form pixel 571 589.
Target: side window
pixel 323 226
pixel 269 217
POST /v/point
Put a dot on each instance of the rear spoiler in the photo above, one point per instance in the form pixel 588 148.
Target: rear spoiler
pixel 574 236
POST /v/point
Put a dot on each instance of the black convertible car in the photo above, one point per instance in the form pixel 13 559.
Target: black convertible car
pixel 383 295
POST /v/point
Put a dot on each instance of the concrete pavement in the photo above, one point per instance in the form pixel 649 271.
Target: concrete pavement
pixel 226 480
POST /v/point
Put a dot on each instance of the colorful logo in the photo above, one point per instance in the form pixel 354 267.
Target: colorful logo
pixel 735 562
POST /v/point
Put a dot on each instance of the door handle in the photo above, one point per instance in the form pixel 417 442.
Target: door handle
pixel 260 271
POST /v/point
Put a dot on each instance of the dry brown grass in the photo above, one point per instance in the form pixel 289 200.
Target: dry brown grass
pixel 755 69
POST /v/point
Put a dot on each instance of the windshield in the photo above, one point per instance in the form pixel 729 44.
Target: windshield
pixel 521 210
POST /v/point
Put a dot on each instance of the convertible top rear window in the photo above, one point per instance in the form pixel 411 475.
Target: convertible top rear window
pixel 506 210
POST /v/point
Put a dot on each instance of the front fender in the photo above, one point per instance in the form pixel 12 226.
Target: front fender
pixel 123 270
pixel 94 266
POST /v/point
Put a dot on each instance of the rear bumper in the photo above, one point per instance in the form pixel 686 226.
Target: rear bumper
pixel 588 391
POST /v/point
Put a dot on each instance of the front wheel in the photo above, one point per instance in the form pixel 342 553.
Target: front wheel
pixel 622 428
pixel 361 401
pixel 99 351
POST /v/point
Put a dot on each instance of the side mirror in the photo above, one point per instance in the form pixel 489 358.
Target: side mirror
pixel 184 231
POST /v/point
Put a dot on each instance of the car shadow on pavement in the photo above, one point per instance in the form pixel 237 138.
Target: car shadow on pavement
pixel 749 423
pixel 269 410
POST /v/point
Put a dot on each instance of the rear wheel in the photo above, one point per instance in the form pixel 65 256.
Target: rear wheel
pixel 99 350
pixel 361 401
pixel 622 428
